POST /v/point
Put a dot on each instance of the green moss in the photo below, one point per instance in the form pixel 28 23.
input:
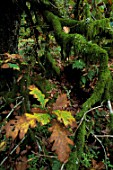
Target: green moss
pixel 69 22
pixel 86 11
pixel 108 87
pixel 75 156
pixel 97 27
pixel 111 90
pixel 53 63
pixel 54 21
pixel 94 54
pixel 111 124
pixel 98 92
pixel 90 28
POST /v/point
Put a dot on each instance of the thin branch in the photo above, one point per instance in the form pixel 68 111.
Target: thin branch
pixel 40 155
pixel 12 151
pixel 62 167
pixel 12 111
pixel 14 108
pixel 39 147
pixel 110 107
pixel 95 136
pixel 85 115
pixel 104 136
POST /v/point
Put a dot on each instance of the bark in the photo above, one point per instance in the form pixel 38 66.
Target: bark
pixel 9 26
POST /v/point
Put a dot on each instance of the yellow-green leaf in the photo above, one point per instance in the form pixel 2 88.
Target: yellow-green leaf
pixel 14 66
pixel 65 117
pixel 38 95
pixel 2 145
pixel 43 118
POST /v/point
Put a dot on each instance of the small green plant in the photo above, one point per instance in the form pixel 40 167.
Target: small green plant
pixel 87 158
pixel 32 162
pixel 88 75
pixel 108 163
pixel 59 119
pixel 56 165
pixel 78 64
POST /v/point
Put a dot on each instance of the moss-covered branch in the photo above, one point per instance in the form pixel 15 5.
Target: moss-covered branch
pixel 95 54
pixel 75 156
pixel 89 28
pixel 53 63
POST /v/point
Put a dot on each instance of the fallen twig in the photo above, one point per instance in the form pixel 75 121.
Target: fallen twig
pixel 40 155
pixel 14 108
pixel 104 136
pixel 95 136
pixel 12 151
pixel 62 167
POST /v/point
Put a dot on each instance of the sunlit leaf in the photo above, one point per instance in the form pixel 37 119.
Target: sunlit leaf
pixel 14 66
pixel 43 118
pixel 65 117
pixel 38 95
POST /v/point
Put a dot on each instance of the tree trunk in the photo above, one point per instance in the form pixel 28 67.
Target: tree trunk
pixel 9 26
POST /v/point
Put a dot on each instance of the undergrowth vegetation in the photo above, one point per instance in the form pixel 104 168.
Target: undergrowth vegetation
pixel 56 92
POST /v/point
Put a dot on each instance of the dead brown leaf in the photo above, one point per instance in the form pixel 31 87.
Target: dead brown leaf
pixel 5 66
pixel 19 126
pixel 21 163
pixel 97 165
pixel 60 140
pixel 61 102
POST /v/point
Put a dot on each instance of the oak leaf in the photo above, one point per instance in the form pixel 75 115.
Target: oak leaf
pixel 38 95
pixel 65 117
pixel 19 126
pixel 61 102
pixel 97 165
pixel 43 118
pixel 21 163
pixel 60 140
